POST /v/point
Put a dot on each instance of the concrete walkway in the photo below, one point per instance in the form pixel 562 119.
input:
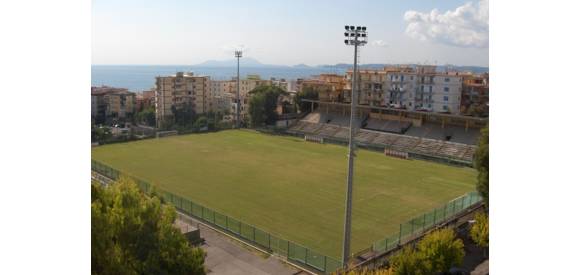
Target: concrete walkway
pixel 228 256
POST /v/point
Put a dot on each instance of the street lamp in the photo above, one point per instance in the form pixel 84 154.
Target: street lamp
pixel 354 37
pixel 238 54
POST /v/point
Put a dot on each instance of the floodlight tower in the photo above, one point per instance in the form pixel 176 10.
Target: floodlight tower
pixel 238 54
pixel 354 36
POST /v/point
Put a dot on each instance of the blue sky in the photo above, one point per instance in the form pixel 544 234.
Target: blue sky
pixel 289 32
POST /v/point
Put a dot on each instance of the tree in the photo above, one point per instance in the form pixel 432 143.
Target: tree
pixel 101 134
pixel 480 231
pixel 306 93
pixel 184 115
pixel 441 250
pixel 263 103
pixel 200 122
pixel 436 253
pixel 408 262
pixel 482 165
pixel 132 233
pixel 146 116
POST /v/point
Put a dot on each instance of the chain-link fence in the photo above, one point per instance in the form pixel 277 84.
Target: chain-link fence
pixel 293 252
pixel 419 225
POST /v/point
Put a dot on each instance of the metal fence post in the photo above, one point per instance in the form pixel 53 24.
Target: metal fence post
pixel 424 215
pixel 453 208
pixel 400 232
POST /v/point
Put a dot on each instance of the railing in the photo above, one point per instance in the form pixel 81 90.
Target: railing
pixel 423 223
pixel 293 252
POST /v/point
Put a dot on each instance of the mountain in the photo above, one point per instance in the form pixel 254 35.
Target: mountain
pixel 441 68
pixel 253 63
pixel 301 66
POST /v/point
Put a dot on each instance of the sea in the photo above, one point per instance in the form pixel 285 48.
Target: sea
pixel 138 78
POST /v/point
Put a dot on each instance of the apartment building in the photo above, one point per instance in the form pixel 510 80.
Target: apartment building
pixel 330 87
pixel 419 88
pixel 182 90
pixel 371 86
pixel 145 100
pixel 246 86
pixel 475 94
pixel 280 83
pixel 111 104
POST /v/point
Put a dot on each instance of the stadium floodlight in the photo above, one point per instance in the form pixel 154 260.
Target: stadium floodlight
pixel 238 54
pixel 354 37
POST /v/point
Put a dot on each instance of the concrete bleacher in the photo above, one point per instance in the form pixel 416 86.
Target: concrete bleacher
pixel 331 118
pixel 402 143
pixel 448 133
pixel 450 142
pixel 391 126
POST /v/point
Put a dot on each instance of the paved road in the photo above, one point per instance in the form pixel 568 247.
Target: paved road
pixel 227 256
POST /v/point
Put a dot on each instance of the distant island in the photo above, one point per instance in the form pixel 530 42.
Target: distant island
pixel 253 63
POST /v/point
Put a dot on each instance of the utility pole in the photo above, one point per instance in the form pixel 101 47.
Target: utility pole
pixel 238 54
pixel 356 36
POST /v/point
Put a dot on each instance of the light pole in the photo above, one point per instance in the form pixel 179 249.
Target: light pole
pixel 238 54
pixel 356 36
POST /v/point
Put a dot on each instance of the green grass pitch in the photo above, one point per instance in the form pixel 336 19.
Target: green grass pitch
pixel 291 188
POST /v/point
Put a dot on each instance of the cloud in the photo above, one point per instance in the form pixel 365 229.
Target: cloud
pixel 379 43
pixel 466 26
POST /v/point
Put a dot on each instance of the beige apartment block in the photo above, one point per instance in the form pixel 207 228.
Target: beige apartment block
pixel 182 90
pixel 411 88
pixel 224 92
pixel 109 103
pixel 330 87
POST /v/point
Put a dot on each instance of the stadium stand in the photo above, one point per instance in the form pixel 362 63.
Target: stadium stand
pixel 330 118
pixel 391 126
pixel 427 141
pixel 449 133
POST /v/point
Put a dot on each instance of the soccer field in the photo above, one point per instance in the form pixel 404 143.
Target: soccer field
pixel 291 188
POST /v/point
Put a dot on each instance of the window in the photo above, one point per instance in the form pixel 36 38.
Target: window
pixel 446 98
pixel 445 107
pixel 412 78
pixel 446 89
pixel 429 105
pixel 430 89
pixel 447 79
pixel 402 77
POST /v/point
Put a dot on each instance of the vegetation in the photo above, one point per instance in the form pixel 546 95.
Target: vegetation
pixel 481 163
pixel 134 234
pixel 146 117
pixel 436 253
pixel 184 116
pixel 409 262
pixel 101 134
pixel 263 103
pixel 306 93
pixel 480 230
pixel 289 187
